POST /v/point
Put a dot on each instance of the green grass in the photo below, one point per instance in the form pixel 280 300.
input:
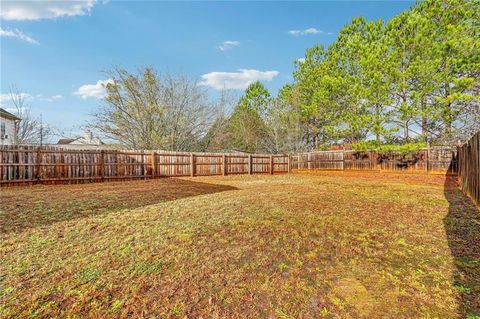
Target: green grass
pixel 289 246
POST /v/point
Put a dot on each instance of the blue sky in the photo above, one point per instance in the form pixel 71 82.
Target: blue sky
pixel 55 52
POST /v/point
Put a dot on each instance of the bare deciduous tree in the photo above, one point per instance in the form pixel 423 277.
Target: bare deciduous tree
pixel 218 137
pixel 284 127
pixel 30 129
pixel 149 111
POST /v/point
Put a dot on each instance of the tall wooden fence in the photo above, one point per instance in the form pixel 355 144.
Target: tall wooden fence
pixel 439 160
pixel 31 164
pixel 469 168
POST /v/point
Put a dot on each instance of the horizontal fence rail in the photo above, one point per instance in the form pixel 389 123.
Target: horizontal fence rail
pixel 469 168
pixel 32 164
pixel 439 160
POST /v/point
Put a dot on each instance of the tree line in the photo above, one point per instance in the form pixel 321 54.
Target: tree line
pixel 148 110
pixel 412 80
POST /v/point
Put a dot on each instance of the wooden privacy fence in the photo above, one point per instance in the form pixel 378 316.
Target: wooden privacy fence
pixel 469 168
pixel 32 164
pixel 439 160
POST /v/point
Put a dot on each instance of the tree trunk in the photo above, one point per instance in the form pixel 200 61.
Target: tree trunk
pixel 406 133
pixel 377 114
pixel 424 119
pixel 448 111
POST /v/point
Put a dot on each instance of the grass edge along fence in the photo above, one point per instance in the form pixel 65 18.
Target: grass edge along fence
pixel 469 168
pixel 23 164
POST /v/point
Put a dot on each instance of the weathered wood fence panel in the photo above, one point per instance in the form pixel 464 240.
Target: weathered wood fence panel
pixel 360 161
pixel 439 160
pixel 412 162
pixel 469 168
pixel 325 160
pixel 32 164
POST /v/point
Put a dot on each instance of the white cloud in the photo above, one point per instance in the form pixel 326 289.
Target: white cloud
pixel 229 44
pixel 307 31
pixel 35 9
pixel 96 90
pixel 7 97
pixel 15 33
pixel 16 111
pixel 236 80
pixel 54 98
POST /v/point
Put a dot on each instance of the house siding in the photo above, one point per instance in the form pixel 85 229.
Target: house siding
pixel 9 132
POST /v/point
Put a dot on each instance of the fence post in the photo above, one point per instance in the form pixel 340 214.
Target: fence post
pixel 379 164
pixel 154 164
pixel 101 165
pixel 38 175
pixel 289 169
pixel 343 160
pixel 192 164
pixel 224 165
pixel 61 168
pixel 428 158
pixel 271 164
pixel 250 164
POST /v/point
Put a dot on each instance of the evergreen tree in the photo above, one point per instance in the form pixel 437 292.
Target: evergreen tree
pixel 246 125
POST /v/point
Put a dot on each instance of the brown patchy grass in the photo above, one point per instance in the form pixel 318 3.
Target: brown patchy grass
pixel 331 245
pixel 27 207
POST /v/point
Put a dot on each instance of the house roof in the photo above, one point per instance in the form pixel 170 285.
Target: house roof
pixel 8 115
pixel 65 140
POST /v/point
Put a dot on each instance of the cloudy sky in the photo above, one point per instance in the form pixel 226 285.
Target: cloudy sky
pixel 56 52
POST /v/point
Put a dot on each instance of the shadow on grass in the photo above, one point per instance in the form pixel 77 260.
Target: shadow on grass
pixel 462 226
pixel 22 208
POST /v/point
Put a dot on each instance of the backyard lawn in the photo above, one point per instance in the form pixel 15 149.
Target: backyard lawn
pixel 329 245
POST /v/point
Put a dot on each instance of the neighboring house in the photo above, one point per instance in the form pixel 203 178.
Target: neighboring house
pixel 340 147
pixel 86 141
pixel 65 141
pixel 8 124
